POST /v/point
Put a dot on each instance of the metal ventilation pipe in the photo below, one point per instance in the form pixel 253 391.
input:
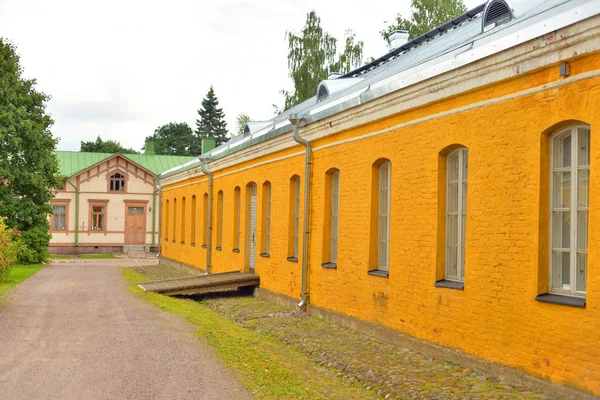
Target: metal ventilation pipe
pixel 397 39
pixel 208 226
pixel 295 120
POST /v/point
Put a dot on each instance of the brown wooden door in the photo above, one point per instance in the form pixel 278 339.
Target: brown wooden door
pixel 135 224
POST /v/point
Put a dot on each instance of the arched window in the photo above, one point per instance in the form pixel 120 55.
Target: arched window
pixel 383 240
pixel 331 218
pixel 167 221
pixel 116 182
pixel 183 219
pixel 294 218
pixel 237 219
pixel 193 222
pixel 570 163
pixel 174 220
pixel 205 229
pixel 456 213
pixel 220 220
pixel 266 214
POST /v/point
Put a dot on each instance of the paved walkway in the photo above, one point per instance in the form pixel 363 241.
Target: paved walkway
pixel 73 331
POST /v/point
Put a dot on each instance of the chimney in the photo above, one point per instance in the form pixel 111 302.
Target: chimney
pixel 149 149
pixel 207 145
pixel 397 39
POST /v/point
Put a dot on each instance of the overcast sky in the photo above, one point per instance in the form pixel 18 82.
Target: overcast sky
pixel 120 69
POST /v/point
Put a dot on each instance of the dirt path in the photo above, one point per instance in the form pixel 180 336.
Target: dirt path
pixel 73 331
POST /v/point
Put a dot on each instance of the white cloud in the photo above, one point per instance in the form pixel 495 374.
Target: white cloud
pixel 121 68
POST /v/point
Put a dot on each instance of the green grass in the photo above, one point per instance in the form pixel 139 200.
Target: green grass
pixel 97 256
pixel 60 256
pixel 17 274
pixel 268 368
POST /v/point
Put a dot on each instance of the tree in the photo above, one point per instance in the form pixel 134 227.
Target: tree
pixel 28 166
pixel 211 124
pixel 173 139
pixel 312 57
pixel 108 146
pixel 426 15
pixel 241 120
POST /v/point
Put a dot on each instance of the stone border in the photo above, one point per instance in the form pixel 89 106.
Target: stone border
pixel 506 374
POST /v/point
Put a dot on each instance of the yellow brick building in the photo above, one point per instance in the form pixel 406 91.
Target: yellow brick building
pixel 453 192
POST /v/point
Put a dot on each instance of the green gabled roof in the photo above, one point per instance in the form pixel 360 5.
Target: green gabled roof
pixel 73 162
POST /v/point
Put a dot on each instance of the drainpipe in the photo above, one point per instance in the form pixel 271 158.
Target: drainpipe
pixel 158 187
pixel 295 120
pixel 209 214
pixel 76 212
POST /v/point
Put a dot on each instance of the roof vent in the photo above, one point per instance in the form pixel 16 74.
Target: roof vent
pixel 322 92
pixel 397 39
pixel 496 12
pixel 334 75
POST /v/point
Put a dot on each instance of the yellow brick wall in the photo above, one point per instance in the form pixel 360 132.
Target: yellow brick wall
pixel 496 317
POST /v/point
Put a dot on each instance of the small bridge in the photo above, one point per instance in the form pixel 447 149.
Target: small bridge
pixel 201 284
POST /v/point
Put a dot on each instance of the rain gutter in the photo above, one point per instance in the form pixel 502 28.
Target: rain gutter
pixel 76 212
pixel 208 226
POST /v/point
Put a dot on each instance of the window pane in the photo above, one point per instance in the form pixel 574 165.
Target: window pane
pixel 453 197
pixel 561 225
pixel 562 149
pixel 97 209
pixel 561 270
pixel 453 167
pixel 464 197
pixel 582 230
pixel 465 164
pixel 55 222
pixel 583 181
pixel 136 210
pixel 581 271
pixel 583 150
pixel 58 209
pixel 452 234
pixel 562 190
pixel 451 265
pixel 63 221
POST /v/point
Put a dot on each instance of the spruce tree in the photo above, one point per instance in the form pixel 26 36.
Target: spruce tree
pixel 211 124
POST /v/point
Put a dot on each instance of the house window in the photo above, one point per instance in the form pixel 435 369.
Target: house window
pixel 383 221
pixel 167 221
pixel 220 220
pixel 237 220
pixel 59 217
pixel 117 182
pixel 174 220
pixel 183 219
pixel 570 155
pixel 266 212
pixel 456 213
pixel 331 218
pixel 98 216
pixel 193 222
pixel 205 220
pixel 294 220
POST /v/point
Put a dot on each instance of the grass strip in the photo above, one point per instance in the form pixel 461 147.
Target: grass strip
pixel 97 256
pixel 18 273
pixel 60 256
pixel 268 368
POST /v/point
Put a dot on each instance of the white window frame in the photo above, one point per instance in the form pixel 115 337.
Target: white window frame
pixel 238 222
pixel 461 214
pixel 268 221
pixel 221 201
pixel 573 209
pixel 383 218
pixel 296 215
pixel 335 217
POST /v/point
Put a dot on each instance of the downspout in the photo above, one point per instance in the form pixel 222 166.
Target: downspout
pixel 295 120
pixel 209 214
pixel 76 212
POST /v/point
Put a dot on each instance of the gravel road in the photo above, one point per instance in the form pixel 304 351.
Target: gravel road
pixel 73 331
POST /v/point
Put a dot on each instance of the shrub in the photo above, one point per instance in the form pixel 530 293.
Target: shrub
pixel 32 246
pixel 8 250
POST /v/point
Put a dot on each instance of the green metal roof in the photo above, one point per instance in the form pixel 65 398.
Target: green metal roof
pixel 73 162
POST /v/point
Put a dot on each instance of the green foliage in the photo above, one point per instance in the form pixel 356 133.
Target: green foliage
pixel 211 124
pixel 8 250
pixel 312 56
pixel 28 165
pixel 426 15
pixel 241 120
pixel 97 256
pixel 18 273
pixel 173 139
pixel 33 245
pixel 108 146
